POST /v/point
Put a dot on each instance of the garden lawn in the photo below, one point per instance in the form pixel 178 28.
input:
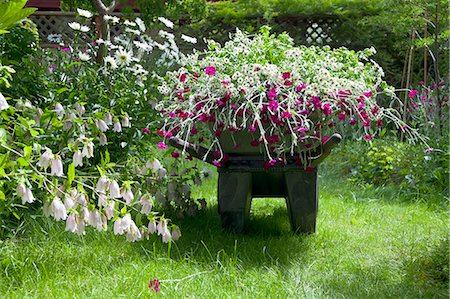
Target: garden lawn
pixel 368 245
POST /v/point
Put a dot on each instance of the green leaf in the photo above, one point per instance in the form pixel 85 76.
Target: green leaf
pixel 22 162
pixel 70 174
pixel 123 211
pixel 2 195
pixel 27 151
pixel 3 136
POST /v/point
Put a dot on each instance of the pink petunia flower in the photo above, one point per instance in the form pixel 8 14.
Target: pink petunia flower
pixel 154 285
pixel 413 93
pixel 273 105
pixel 161 145
pixel 145 130
pixel 210 70
pixel 367 136
pixel 216 163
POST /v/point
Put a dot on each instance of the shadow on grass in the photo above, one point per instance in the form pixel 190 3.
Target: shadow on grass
pixel 267 240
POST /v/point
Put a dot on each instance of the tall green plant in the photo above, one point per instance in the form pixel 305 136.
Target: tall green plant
pixel 12 11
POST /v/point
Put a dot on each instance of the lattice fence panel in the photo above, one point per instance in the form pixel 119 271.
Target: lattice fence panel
pixel 319 31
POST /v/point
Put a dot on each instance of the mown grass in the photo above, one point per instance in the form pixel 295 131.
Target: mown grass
pixel 367 245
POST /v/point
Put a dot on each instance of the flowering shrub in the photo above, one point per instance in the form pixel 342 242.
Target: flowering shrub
pixel 82 148
pixel 286 97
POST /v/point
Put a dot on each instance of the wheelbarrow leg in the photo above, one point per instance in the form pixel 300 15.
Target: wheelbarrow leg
pixel 234 192
pixel 302 200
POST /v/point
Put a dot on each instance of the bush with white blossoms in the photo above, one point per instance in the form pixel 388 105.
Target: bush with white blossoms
pixel 82 149
pixel 287 97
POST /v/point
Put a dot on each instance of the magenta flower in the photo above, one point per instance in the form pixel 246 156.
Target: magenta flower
pixel 161 145
pixel 325 139
pixel 326 109
pixel 286 75
pixel 154 285
pixel 254 143
pixel 367 136
pixel 301 87
pixel 352 121
pixel 286 114
pixel 175 155
pixel 368 94
pixel 273 105
pixel 413 93
pixel 210 70
pixel 145 130
pixel 194 130
pixel 341 116
pixel 252 128
pixel 310 169
pixel 366 123
pixel 183 77
pixel 272 94
pixel 216 163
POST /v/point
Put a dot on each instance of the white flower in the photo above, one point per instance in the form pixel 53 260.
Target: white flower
pixel 102 200
pixel 25 193
pixel 81 199
pixel 101 125
pixel 77 159
pixel 88 149
pixel 133 232
pixel 152 227
pixel 127 195
pixel 80 108
pixel 126 121
pixel 123 57
pixel 143 46
pixel 44 160
pixel 78 27
pixel 108 118
pixel 56 166
pixel 117 127
pixel 146 204
pixel 71 223
pixel 110 62
pixel 166 22
pixel 83 56
pixel 135 32
pixel 118 229
pixel 129 23
pixel 102 184
pixel 58 209
pixel 3 103
pixel 109 210
pixel 162 227
pixel 176 233
pixel 166 237
pixel 103 139
pixel 84 13
pixel 189 39
pixel 59 109
pixel 69 203
pixel 162 173
pixel 114 190
pixel 140 24
pixel 113 19
pixel 54 38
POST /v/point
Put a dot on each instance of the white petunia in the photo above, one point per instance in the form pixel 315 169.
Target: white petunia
pixel 83 56
pixel 3 103
pixel 84 13
pixel 77 159
pixel 166 22
pixel 189 39
pixel 56 166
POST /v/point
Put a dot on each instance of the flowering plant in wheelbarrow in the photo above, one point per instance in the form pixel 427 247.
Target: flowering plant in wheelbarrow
pixel 284 98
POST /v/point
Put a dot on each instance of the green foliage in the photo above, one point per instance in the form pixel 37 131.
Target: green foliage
pixel 12 11
pixel 22 40
pixel 389 162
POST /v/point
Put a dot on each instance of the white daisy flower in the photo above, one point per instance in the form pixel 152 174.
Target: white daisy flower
pixel 84 13
pixel 123 57
pixel 189 39
pixel 166 22
pixel 110 62
pixel 140 24
pixel 113 19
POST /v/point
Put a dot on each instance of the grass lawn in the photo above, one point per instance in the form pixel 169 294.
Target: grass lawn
pixel 368 245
